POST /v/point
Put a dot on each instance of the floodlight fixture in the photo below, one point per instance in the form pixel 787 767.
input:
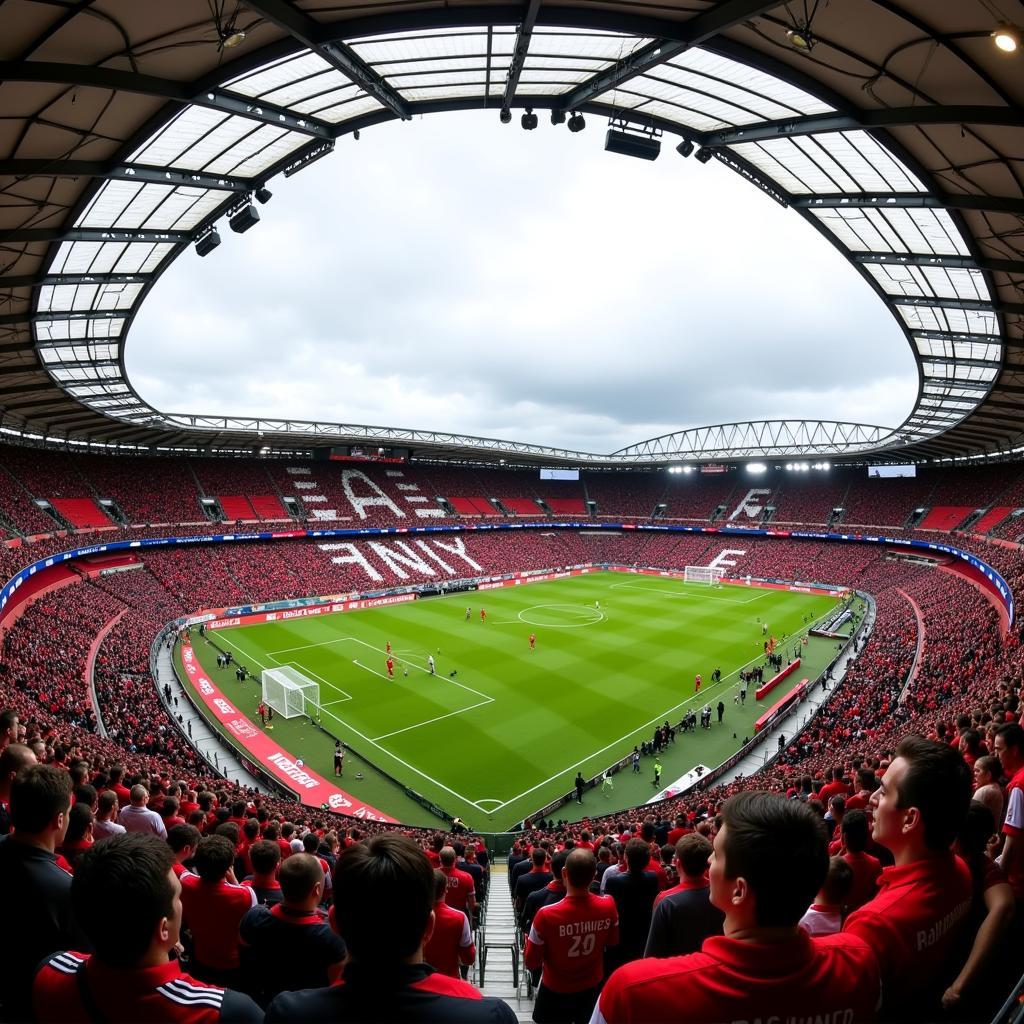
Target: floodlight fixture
pixel 208 242
pixel 529 120
pixel 230 37
pixel 264 195
pixel 687 469
pixel 703 155
pixel 1007 38
pixel 244 218
pixel 685 148
pixel 557 116
pixel 757 468
pixel 505 116
pixel 576 122
pixel 801 38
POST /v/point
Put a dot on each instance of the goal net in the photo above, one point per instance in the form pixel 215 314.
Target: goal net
pixel 290 693
pixel 703 574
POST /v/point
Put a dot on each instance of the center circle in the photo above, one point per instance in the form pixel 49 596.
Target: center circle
pixel 548 615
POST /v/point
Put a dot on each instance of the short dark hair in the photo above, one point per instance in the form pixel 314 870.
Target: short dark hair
pixel 855 831
pixel 1012 734
pixel 638 855
pixel 580 867
pixel 938 783
pixel 440 885
pixel 264 856
pixel 214 855
pixel 838 881
pixel 80 817
pixel 121 889
pixel 180 836
pixel 38 794
pixel 539 856
pixel 558 862
pixel 14 757
pixel 991 764
pixel 769 839
pixel 298 874
pixel 978 827
pixel 693 852
pixel 383 897
pixel 7 718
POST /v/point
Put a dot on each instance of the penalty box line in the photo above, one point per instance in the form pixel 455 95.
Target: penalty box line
pixel 716 687
pixel 372 742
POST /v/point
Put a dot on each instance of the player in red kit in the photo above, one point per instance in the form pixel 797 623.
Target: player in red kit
pixel 769 859
pixel 483 614
pixel 387 647
pixel 567 941
pixel 391 667
pixel 696 684
pixel 533 641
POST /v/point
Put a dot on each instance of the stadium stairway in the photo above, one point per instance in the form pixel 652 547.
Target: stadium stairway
pixel 496 971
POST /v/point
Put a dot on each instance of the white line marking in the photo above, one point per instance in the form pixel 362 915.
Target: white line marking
pixel 595 616
pixel 379 675
pixel 430 721
pixel 687 593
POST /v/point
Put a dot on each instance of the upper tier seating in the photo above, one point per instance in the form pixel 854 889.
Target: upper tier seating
pixel 236 506
pixel 945 517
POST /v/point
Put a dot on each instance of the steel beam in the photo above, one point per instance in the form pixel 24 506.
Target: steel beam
pixel 982 339
pixel 910 200
pixel 699 29
pixel 523 36
pixel 31 235
pixel 32 280
pixel 173 176
pixel 976 305
pixel 918 259
pixel 339 55
pixel 166 89
pixel 895 117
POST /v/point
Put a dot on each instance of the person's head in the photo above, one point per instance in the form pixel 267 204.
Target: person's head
pixel 40 802
pixel 139 795
pixel 229 830
pixel 539 856
pixel 384 899
pixel 80 819
pixel 447 856
pixel 579 870
pixel 692 854
pixel 838 883
pixel 768 862
pixel 855 831
pixel 106 807
pixel 557 863
pixel 183 841
pixel 302 881
pixel 264 857
pixel 987 770
pixel 638 855
pixel 922 799
pixel 867 781
pixel 1008 746
pixel 8 727
pixel 127 899
pixel 214 856
pixel 977 829
pixel 14 757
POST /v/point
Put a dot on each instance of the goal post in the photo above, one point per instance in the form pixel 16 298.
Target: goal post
pixel 711 575
pixel 290 693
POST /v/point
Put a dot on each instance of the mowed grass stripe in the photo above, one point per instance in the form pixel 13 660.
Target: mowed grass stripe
pixel 551 709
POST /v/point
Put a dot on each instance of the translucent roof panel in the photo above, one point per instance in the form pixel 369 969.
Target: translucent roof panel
pixel 100 351
pixel 958 321
pixel 949 349
pixel 277 74
pixel 70 330
pixel 84 297
pixel 420 47
pixel 938 282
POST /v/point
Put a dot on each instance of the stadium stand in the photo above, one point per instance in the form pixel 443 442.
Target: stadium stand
pixel 945 517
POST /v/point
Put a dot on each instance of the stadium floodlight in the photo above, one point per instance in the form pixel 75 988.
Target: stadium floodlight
pixel 577 122
pixel 1006 38
pixel 704 154
pixel 244 218
pixel 557 116
pixel 756 467
pixel 264 195
pixel 209 242
pixel 529 120
pixel 801 38
pixel 687 469
pixel 505 116
pixel 685 148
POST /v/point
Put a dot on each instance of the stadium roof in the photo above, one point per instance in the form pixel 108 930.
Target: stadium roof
pixel 128 129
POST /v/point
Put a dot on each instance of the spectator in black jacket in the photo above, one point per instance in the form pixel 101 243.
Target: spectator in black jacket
pixel 634 891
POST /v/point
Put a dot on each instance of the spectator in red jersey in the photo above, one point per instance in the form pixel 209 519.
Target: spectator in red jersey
pixel 115 775
pixel 126 895
pixel 567 942
pixel 290 945
pixel 925 897
pixel 1009 748
pixel 867 783
pixel 183 841
pixel 265 857
pixel 78 837
pixel 451 942
pixel 34 892
pixel 825 914
pixel 15 756
pixel 988 971
pixel 461 893
pixel 684 916
pixel 384 898
pixel 769 860
pixel 214 906
pixel 865 868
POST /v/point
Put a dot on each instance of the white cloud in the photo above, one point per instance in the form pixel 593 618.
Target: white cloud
pixel 456 274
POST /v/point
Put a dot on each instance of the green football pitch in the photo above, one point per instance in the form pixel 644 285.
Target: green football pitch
pixel 500 729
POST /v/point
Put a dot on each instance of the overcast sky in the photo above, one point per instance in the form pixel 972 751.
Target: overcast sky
pixel 455 274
